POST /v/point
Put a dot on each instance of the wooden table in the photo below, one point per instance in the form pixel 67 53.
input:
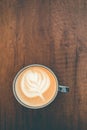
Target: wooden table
pixel 52 33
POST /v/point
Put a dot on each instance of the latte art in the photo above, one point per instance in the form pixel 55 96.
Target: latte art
pixel 34 83
pixel 35 86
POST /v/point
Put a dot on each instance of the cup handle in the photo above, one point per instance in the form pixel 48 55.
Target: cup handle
pixel 63 89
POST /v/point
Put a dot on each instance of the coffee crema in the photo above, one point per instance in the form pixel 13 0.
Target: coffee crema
pixel 36 86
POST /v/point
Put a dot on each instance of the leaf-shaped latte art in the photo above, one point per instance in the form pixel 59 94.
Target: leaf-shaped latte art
pixel 35 83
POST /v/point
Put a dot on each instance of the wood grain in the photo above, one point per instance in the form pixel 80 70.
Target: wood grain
pixel 52 33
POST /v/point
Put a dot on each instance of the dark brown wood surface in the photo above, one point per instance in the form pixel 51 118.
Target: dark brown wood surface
pixel 52 33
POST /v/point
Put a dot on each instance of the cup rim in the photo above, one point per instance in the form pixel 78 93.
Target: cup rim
pixel 19 100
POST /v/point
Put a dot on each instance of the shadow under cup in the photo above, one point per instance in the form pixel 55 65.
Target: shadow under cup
pixel 54 88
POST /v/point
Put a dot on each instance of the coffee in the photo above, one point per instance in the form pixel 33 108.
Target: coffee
pixel 35 86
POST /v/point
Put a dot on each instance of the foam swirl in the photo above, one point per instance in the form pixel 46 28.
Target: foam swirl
pixel 35 83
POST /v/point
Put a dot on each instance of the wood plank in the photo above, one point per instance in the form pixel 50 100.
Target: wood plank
pixel 52 33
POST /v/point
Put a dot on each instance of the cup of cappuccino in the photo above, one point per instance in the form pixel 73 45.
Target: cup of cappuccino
pixel 36 86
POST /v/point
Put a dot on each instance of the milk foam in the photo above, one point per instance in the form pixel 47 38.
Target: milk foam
pixel 35 83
